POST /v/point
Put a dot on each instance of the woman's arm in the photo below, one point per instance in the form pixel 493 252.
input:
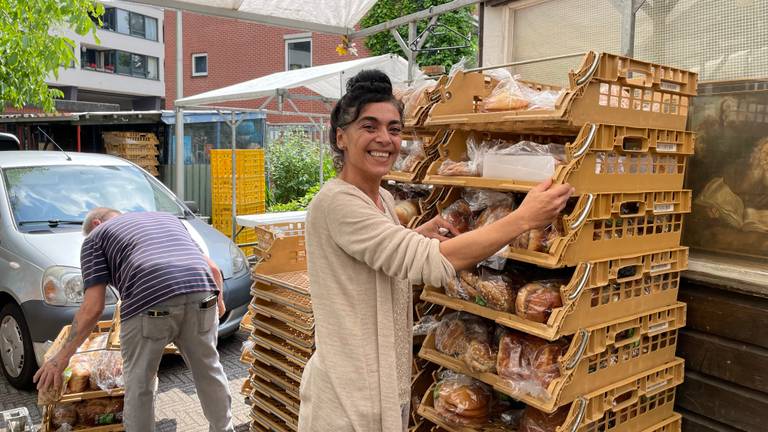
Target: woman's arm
pixel 540 207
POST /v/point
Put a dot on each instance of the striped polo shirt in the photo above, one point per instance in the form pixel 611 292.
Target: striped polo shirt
pixel 148 256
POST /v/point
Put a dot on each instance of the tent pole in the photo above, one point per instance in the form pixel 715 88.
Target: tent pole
pixel 322 140
pixel 179 111
pixel 234 177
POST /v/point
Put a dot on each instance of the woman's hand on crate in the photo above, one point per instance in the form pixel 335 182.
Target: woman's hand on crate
pixel 543 204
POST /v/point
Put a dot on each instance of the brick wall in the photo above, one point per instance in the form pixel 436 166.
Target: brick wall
pixel 239 51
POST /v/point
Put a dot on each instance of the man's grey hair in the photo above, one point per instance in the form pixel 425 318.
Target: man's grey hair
pixel 100 214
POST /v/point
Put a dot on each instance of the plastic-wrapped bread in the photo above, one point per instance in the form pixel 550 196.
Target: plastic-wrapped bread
pixel 538 421
pixel 98 412
pixel 458 214
pixel 463 401
pixel 63 414
pixel 536 300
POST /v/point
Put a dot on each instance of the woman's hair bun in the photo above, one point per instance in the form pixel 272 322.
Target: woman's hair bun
pixel 370 81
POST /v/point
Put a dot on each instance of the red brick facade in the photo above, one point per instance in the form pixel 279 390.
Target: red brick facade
pixel 239 51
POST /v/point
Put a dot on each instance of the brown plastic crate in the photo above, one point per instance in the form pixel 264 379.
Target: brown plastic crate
pixel 596 357
pixel 246 388
pixel 270 421
pixel 270 390
pixel 277 409
pixel 278 361
pixel 289 315
pixel 672 424
pixel 276 377
pixel 131 137
pixel 246 324
pixel 295 337
pixel 284 296
pixel 605 89
pixel 601 158
pixel 419 108
pixel 598 292
pixel 608 225
pixel 291 352
pixel 47 422
pixel 639 403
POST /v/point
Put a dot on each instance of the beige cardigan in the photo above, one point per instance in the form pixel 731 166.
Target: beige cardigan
pixel 358 261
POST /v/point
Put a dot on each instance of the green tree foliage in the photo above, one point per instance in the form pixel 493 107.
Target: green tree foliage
pixel 32 46
pixel 459 20
pixel 293 162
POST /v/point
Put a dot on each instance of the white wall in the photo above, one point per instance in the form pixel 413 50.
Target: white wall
pixel 114 83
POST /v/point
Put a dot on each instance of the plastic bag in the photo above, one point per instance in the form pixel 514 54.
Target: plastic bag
pixel 459 66
pixel 406 210
pixel 534 420
pixel 480 356
pixel 468 166
pixel 499 147
pixel 458 214
pixel 480 199
pixel 107 371
pixel 63 416
pixel 411 98
pixel 456 330
pixel 497 290
pixel 524 160
pixel 499 206
pixel 536 300
pixel 462 401
pixel 425 325
pixel 513 95
pixel 539 239
pixel 98 412
pixel 529 363
pixel 411 153
pixel 463 286
pixel 80 368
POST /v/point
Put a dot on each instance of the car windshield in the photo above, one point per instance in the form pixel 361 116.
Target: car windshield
pixel 65 194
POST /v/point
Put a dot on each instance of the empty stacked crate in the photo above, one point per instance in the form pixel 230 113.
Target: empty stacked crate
pixel 137 147
pixel 250 189
pixel 281 327
pixel 617 252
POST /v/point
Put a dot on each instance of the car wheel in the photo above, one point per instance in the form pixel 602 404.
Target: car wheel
pixel 17 355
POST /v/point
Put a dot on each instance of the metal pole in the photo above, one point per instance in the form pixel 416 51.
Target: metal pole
pixel 322 144
pixel 179 112
pixel 411 53
pixel 522 62
pixel 233 125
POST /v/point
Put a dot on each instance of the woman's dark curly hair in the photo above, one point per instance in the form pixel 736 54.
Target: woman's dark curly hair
pixel 368 86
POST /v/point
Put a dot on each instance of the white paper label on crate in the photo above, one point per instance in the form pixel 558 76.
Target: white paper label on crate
pixel 658 327
pixel 660 267
pixel 663 208
pixel 665 147
pixel 670 86
pixel 655 386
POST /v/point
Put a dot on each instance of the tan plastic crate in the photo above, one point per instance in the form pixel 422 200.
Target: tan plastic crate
pixel 278 361
pixel 276 377
pixel 605 89
pixel 639 403
pixel 295 318
pixel 283 296
pixel 268 390
pixel 596 357
pixel 598 292
pixel 148 138
pixel 601 158
pixel 267 419
pixel 47 424
pixel 292 353
pixel 431 142
pixel 277 409
pixel 246 388
pixel 246 324
pixel 296 337
pixel 608 225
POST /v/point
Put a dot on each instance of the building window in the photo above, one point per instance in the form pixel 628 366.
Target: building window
pixel 298 53
pixel 120 62
pixel 129 23
pixel 199 64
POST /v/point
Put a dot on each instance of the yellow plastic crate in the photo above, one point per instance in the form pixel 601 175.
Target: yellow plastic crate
pixel 249 162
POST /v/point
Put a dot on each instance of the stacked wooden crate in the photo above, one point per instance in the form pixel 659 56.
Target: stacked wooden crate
pixel 281 327
pixel 614 314
pixel 137 147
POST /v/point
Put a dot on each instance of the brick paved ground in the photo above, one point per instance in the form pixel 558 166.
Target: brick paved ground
pixel 177 407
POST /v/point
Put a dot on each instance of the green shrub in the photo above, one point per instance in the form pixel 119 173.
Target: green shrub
pixel 293 163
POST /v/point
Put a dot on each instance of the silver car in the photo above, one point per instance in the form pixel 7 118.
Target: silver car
pixel 44 197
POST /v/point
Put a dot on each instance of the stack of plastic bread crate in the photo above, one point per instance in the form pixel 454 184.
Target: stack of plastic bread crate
pixel 578 330
pixel 281 327
pixel 250 189
pixel 137 147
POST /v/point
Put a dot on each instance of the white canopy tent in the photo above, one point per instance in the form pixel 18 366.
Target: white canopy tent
pixel 328 81
pixel 325 16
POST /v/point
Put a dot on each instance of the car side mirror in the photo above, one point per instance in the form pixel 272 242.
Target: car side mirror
pixel 193 207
